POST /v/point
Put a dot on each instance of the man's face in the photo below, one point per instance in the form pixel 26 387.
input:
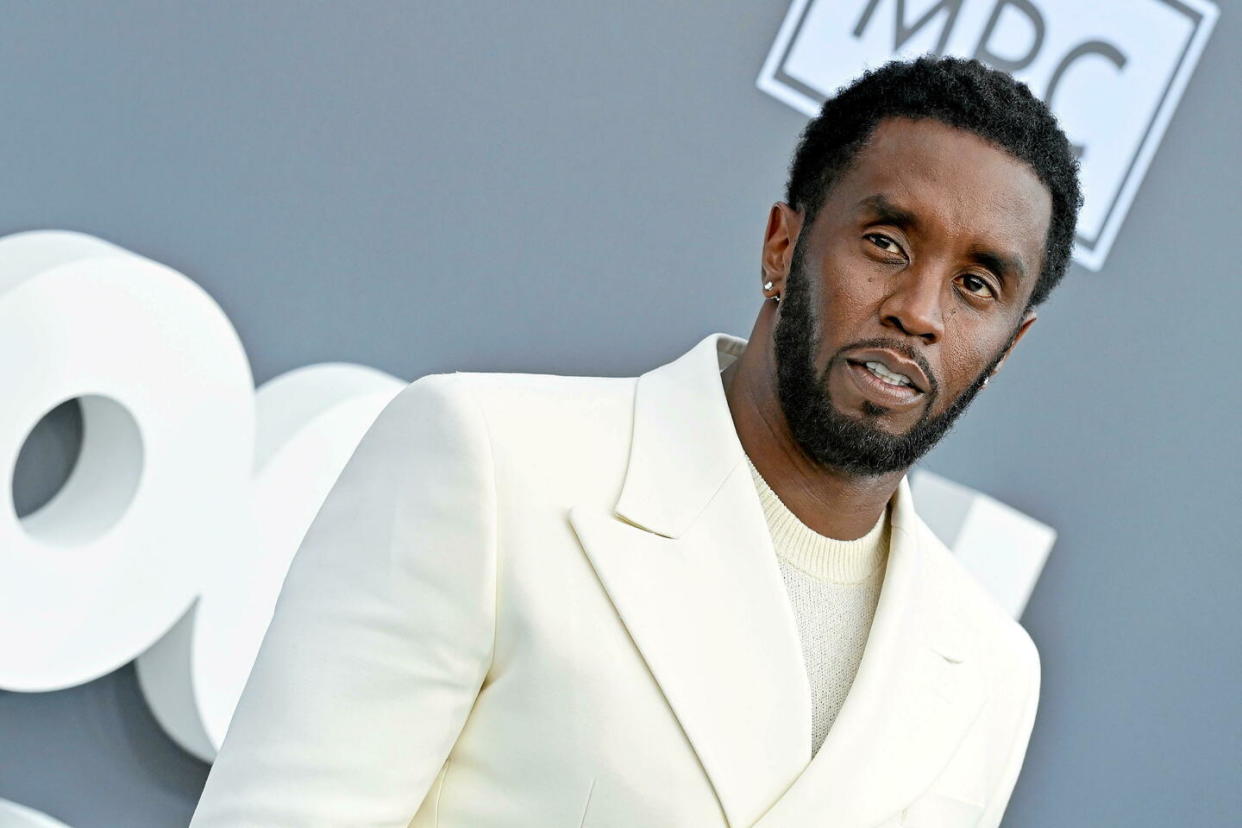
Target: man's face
pixel 922 259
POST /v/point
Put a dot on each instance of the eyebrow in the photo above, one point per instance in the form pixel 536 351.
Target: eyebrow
pixel 1004 266
pixel 888 212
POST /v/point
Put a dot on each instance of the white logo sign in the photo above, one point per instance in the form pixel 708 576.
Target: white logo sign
pixel 1111 70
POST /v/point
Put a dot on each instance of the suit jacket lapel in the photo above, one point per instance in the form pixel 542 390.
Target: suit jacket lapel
pixel 916 693
pixel 686 559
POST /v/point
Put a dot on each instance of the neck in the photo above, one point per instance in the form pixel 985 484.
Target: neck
pixel 837 505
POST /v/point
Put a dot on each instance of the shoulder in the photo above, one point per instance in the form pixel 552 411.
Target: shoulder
pixel 459 390
pixel 525 406
pixel 539 423
pixel 539 389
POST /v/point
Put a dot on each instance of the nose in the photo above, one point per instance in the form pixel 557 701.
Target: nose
pixel 913 305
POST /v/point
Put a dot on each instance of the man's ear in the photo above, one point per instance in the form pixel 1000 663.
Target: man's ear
pixel 784 224
pixel 1028 319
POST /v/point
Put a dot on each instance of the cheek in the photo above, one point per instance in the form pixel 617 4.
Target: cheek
pixel 847 295
pixel 966 357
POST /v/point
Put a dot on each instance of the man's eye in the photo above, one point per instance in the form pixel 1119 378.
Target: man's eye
pixel 884 243
pixel 975 285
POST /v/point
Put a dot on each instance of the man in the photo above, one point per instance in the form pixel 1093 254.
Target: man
pixel 579 601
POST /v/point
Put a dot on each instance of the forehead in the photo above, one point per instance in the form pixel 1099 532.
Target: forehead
pixel 964 191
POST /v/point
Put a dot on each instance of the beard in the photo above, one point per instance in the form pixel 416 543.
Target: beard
pixel 829 437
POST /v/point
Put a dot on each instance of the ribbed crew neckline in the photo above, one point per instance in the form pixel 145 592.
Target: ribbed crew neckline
pixel 825 558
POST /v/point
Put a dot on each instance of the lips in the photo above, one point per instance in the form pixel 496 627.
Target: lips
pixel 870 387
pixel 893 362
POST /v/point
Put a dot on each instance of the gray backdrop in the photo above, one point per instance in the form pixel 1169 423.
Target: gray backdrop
pixel 582 188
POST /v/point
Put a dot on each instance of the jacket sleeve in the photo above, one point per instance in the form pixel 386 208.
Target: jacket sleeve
pixel 1008 777
pixel 382 633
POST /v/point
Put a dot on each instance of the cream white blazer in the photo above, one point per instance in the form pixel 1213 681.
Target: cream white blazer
pixel 535 600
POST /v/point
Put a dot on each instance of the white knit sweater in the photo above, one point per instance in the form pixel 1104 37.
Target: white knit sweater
pixel 834 586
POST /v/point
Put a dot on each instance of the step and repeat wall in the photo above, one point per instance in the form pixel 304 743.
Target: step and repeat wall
pixel 233 232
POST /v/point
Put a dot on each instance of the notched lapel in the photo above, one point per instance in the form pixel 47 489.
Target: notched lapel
pixel 917 691
pixel 687 561
pixel 708 613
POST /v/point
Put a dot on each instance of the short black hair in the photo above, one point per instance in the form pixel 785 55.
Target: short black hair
pixel 960 93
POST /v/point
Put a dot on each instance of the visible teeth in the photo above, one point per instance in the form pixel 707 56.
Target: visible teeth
pixel 888 376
